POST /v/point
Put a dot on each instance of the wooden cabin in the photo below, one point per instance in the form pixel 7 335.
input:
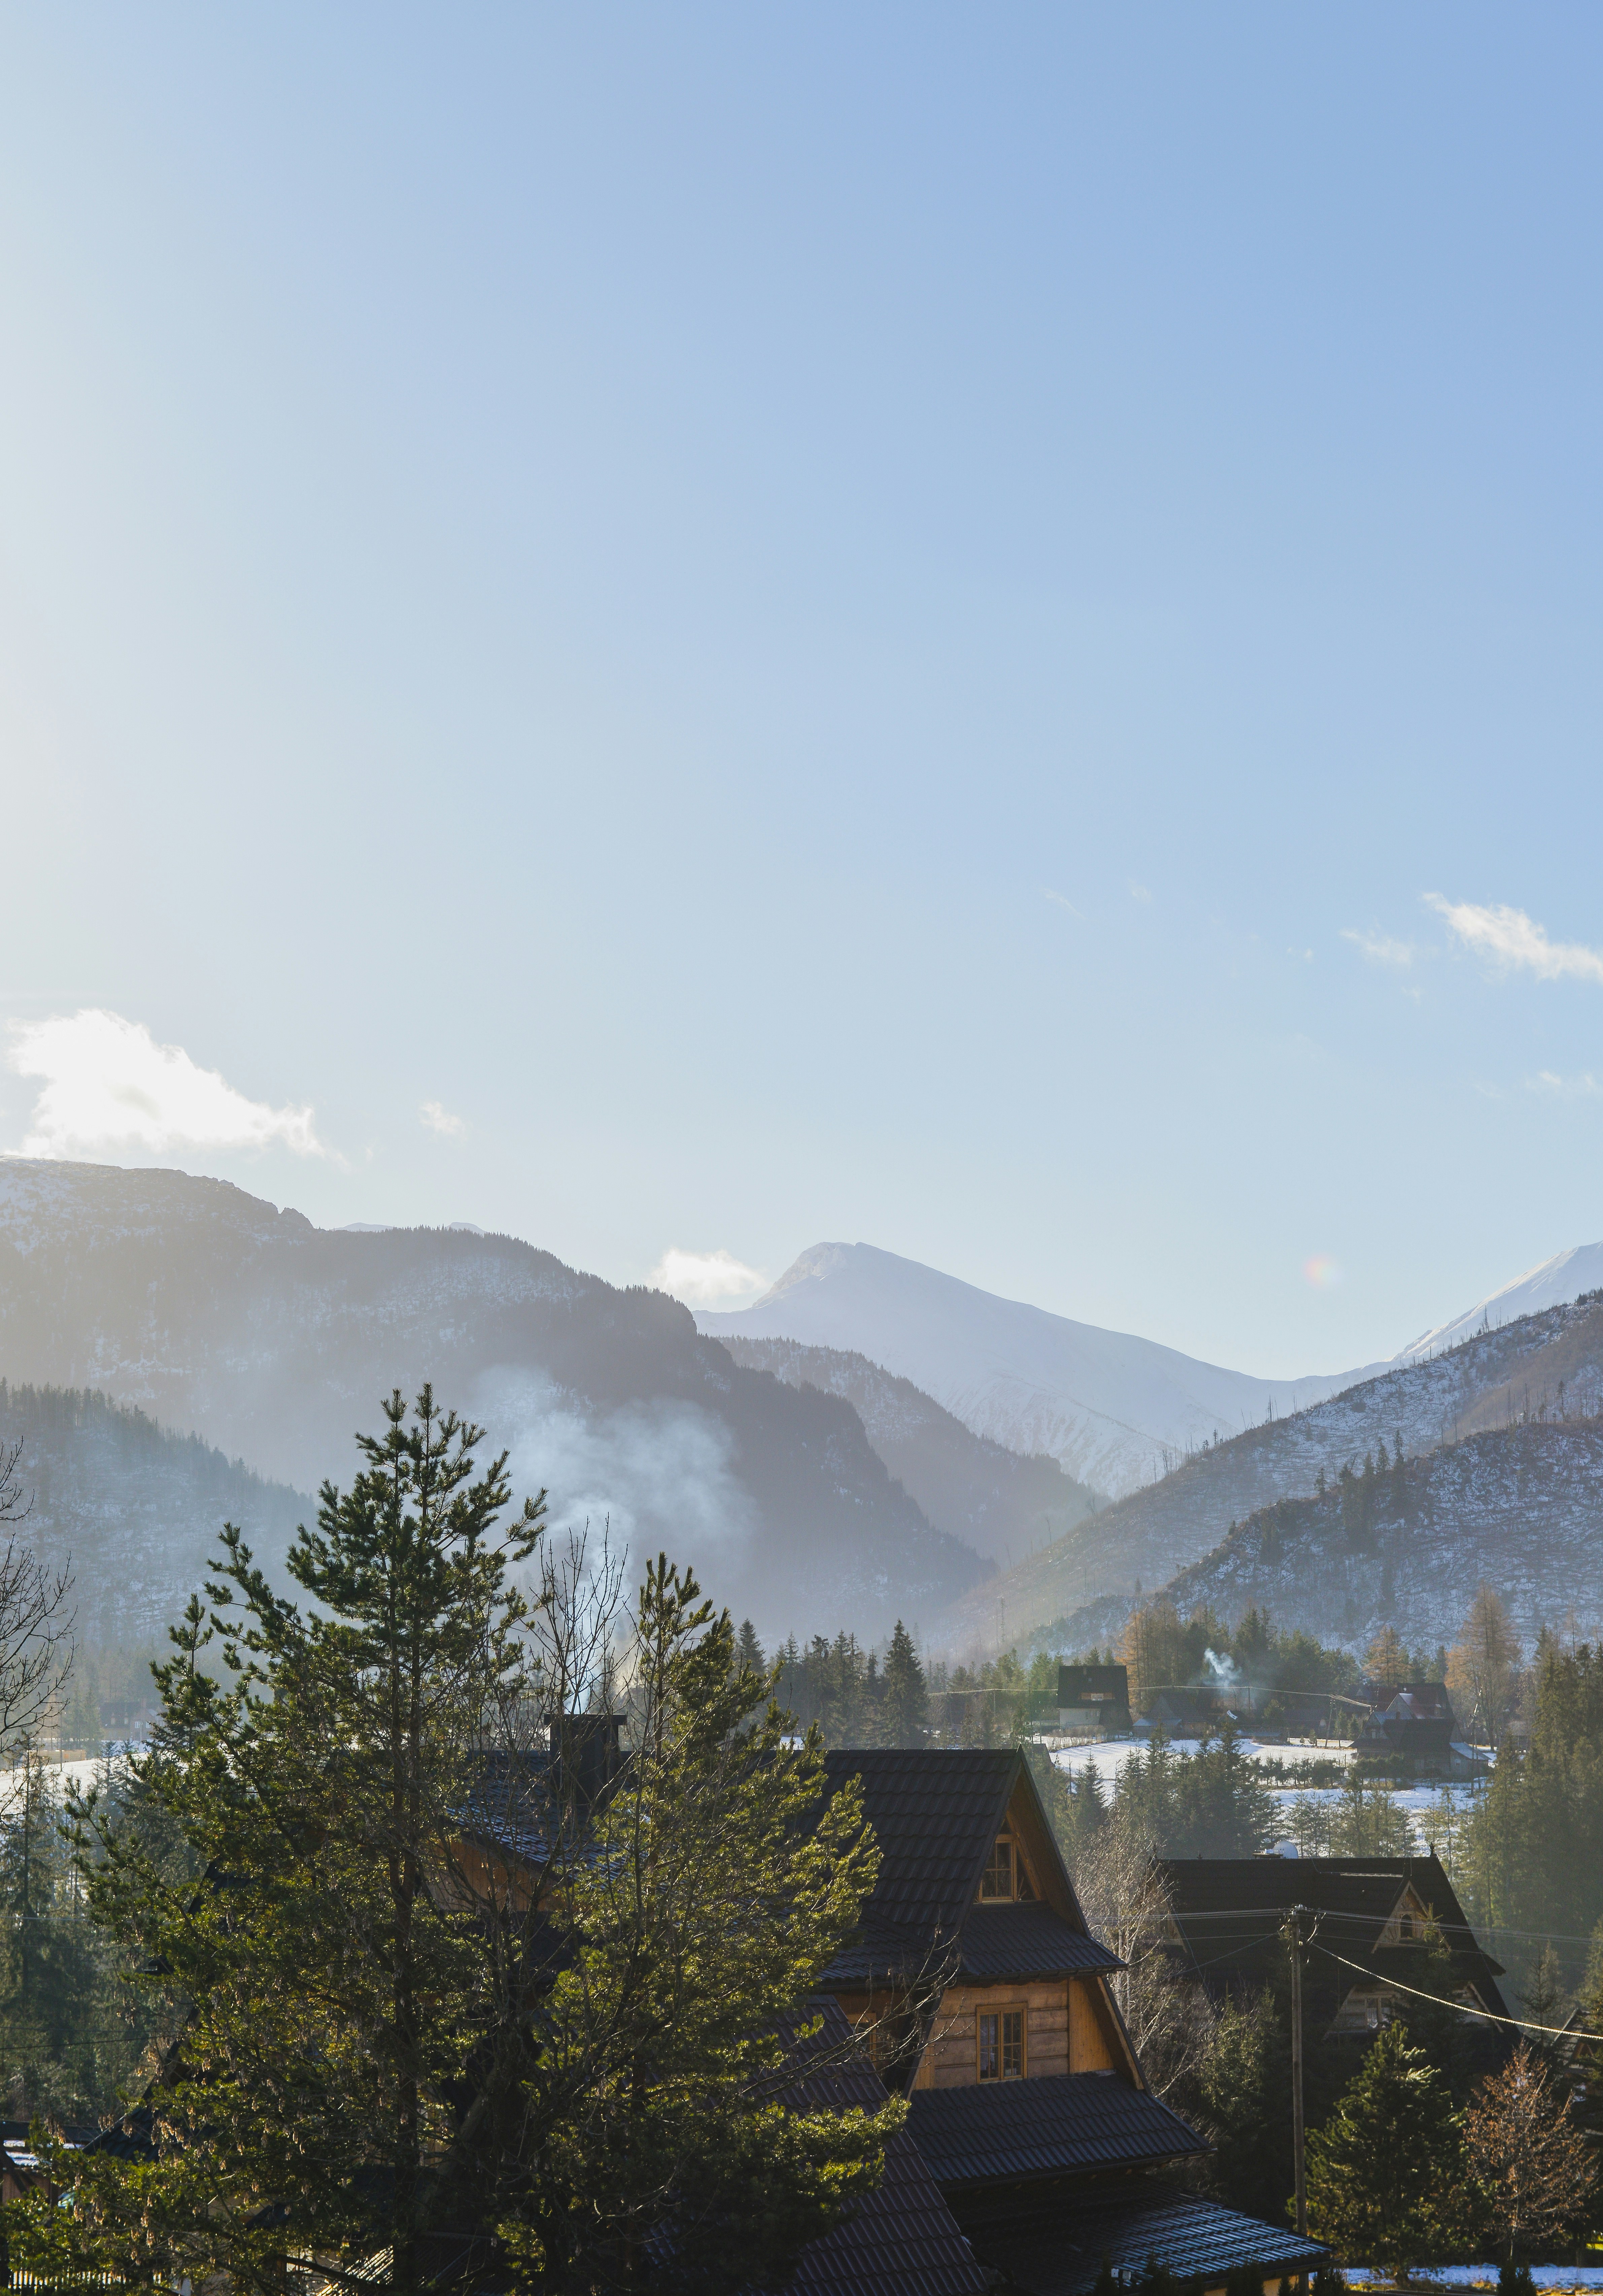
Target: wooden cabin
pixel 1377 1917
pixel 982 1996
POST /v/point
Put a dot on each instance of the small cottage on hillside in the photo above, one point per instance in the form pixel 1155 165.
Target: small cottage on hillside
pixel 1415 1720
pixel 983 1998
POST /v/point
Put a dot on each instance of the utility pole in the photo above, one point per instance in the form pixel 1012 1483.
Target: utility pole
pixel 1294 1941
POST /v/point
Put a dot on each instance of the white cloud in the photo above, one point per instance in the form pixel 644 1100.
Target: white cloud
pixel 1138 892
pixel 702 1278
pixel 1063 902
pixel 1583 1086
pixel 439 1119
pixel 1380 948
pixel 108 1085
pixel 1510 938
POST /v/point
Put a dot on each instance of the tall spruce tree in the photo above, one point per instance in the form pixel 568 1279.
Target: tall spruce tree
pixel 906 1701
pixel 331 1979
pixel 1388 2176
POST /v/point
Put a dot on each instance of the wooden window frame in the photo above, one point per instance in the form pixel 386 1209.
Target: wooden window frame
pixel 1000 2011
pixel 1022 1887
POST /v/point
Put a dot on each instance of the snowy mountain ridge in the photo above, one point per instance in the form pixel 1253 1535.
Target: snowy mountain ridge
pixel 1116 1411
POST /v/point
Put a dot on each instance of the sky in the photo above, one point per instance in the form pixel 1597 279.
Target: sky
pixel 687 631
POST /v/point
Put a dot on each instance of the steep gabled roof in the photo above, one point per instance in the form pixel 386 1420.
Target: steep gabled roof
pixel 1054 2124
pixel 1230 1911
pixel 935 1812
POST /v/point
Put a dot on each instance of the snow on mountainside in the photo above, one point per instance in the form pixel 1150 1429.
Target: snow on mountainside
pixel 276 1339
pixel 1542 1368
pixel 1003 1505
pixel 1566 1276
pixel 1520 1507
pixel 1114 1411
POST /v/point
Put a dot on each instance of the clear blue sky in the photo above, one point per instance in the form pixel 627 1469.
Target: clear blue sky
pixel 821 622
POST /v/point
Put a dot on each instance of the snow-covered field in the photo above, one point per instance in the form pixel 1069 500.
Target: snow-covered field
pixel 1108 1758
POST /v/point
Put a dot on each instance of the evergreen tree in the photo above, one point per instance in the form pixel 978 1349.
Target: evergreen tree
pixel 749 1651
pixel 722 1885
pixel 1388 2175
pixel 906 1701
pixel 329 1985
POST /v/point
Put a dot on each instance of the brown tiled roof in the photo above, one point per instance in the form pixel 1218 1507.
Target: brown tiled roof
pixel 1051 2126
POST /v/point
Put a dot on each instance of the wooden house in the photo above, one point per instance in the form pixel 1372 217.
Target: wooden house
pixel 1373 1922
pixel 983 1996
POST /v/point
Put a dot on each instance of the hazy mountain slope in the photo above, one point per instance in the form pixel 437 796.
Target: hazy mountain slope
pixel 1004 1505
pixel 1114 1411
pixel 1521 1507
pixel 276 1339
pixel 1563 1277
pixel 136 1509
pixel 1154 1534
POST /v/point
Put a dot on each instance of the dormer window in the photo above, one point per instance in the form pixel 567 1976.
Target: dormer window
pixel 1005 1876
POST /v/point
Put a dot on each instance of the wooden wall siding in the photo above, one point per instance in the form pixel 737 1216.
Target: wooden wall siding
pixel 1063 2031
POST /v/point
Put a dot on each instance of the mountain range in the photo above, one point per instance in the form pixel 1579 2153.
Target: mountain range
pixel 1540 1369
pixel 274 1340
pixel 1114 1411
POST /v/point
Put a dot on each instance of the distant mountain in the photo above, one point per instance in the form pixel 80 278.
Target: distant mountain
pixel 1002 1504
pixel 1566 1277
pixel 1541 1368
pixel 1114 1411
pixel 276 1339
pixel 136 1509
pixel 1521 1507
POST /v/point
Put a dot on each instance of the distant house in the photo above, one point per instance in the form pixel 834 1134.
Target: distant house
pixel 1184 1713
pixel 1094 1698
pixel 1415 1719
pixel 1373 1922
pixel 983 1998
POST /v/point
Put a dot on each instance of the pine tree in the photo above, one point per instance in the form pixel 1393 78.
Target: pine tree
pixel 1388 2175
pixel 906 1699
pixel 340 1973
pixel 724 1885
pixel 749 1651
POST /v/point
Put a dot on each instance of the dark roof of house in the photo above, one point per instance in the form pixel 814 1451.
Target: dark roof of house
pixel 1055 2125
pixel 1026 1942
pixel 509 1803
pixel 904 2240
pixel 1230 1911
pixel 935 1812
pixel 1059 2249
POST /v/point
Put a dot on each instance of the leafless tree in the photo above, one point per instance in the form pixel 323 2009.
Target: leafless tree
pixel 1121 1893
pixel 1534 2163
pixel 36 1623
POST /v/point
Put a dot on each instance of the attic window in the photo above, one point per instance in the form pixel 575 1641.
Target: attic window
pixel 1004 1875
pixel 997 1880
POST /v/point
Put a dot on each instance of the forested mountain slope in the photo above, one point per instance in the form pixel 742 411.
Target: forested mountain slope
pixel 136 1510
pixel 1004 1505
pixel 1538 1367
pixel 1521 1507
pixel 276 1339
